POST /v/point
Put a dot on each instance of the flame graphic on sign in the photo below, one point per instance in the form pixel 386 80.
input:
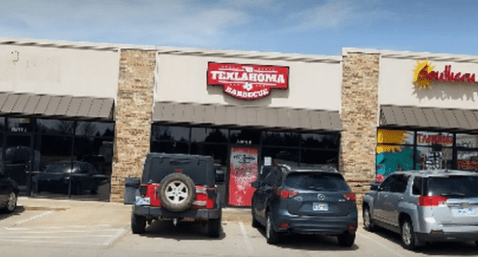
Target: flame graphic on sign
pixel 420 80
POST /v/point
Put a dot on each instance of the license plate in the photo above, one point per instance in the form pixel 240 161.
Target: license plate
pixel 142 200
pixel 468 211
pixel 320 207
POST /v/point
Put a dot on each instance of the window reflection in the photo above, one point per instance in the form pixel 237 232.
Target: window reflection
pixel 209 135
pixel 97 129
pixel 327 141
pixel 20 125
pixel 280 138
pixel 62 127
pixel 170 133
pixel 281 155
pixel 2 124
pixel 245 136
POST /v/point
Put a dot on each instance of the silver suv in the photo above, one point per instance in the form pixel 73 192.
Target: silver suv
pixel 425 206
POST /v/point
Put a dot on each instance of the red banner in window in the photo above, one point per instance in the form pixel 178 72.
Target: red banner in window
pixel 243 171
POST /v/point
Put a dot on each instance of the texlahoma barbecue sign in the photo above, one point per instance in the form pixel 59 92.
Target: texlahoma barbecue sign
pixel 247 82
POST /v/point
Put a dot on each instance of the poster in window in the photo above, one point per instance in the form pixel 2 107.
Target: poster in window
pixel 243 171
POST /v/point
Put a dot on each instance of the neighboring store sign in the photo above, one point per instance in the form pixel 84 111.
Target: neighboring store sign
pixel 435 139
pixel 243 171
pixel 247 82
pixel 424 75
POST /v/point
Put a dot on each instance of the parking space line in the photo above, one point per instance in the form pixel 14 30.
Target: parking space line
pixel 245 237
pixel 382 245
pixel 117 236
pixel 31 218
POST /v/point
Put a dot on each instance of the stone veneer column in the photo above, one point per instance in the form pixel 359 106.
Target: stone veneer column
pixel 359 120
pixel 133 117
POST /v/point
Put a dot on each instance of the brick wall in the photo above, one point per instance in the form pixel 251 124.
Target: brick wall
pixel 133 117
pixel 359 120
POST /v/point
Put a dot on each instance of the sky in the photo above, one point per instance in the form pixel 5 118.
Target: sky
pixel 321 27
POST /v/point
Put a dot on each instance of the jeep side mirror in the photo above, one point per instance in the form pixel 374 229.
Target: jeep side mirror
pixel 374 187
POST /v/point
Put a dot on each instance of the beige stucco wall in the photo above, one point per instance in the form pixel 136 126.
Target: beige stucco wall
pixel 396 85
pixel 59 70
pixel 313 84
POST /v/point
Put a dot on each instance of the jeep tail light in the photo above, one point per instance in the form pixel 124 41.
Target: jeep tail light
pixel 350 197
pixel 283 193
pixel 143 189
pixel 427 201
pixel 204 197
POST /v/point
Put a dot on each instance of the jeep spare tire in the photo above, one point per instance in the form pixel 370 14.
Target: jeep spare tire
pixel 176 192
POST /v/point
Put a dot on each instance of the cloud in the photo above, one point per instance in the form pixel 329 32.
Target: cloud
pixel 332 14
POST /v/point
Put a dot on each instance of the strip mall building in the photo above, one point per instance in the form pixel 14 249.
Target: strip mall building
pixel 367 112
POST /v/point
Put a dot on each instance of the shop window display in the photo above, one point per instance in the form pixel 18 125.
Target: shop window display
pixel 285 139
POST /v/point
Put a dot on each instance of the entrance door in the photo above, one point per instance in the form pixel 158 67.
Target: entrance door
pixel 242 172
pixel 18 156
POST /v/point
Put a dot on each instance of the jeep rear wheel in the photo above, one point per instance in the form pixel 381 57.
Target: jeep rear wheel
pixel 176 192
pixel 138 224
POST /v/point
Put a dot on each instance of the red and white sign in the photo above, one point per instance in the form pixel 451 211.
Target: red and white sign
pixel 243 171
pixel 247 82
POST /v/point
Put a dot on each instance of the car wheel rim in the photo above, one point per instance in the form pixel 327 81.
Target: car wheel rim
pixel 406 233
pixel 268 227
pixel 177 192
pixel 366 218
pixel 12 199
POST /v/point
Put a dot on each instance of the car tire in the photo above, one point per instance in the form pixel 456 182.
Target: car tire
pixel 407 235
pixel 347 239
pixel 367 220
pixel 138 224
pixel 214 227
pixel 11 203
pixel 176 192
pixel 76 189
pixel 255 222
pixel 94 189
pixel 271 235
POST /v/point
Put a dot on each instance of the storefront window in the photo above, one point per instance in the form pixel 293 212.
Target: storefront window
pixel 326 141
pixel 2 124
pixel 209 135
pixel 436 157
pixel 281 155
pixel 467 141
pixel 391 158
pixel 62 127
pixel 172 133
pixel 218 152
pixel 467 160
pixel 401 137
pixel 280 138
pixel 245 137
pixel 312 156
pixel 20 125
pixel 97 129
pixel 170 147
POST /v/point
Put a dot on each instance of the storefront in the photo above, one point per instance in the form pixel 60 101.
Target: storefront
pixel 428 112
pixel 247 111
pixel 57 115
pixel 100 109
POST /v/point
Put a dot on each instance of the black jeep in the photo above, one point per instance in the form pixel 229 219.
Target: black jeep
pixel 177 187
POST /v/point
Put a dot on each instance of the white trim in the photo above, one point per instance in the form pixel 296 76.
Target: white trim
pixel 412 55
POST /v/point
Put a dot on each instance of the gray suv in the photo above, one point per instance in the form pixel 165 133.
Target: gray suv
pixel 425 206
pixel 314 200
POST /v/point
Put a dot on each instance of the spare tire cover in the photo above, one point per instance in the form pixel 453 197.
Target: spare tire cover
pixel 177 192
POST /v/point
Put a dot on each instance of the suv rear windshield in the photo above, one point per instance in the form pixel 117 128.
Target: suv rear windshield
pixel 454 186
pixel 316 181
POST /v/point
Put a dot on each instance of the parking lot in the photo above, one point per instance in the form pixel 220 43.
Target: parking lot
pixel 43 227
